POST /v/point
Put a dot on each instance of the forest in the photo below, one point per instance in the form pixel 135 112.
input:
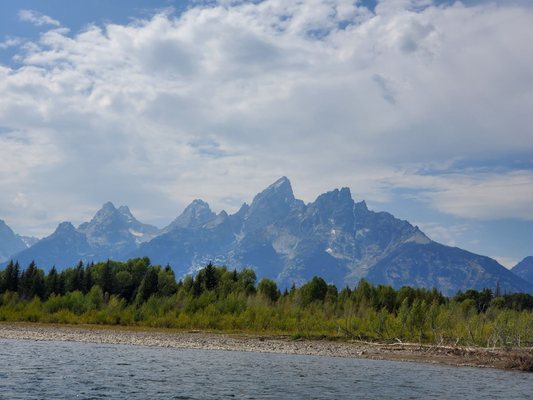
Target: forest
pixel 136 293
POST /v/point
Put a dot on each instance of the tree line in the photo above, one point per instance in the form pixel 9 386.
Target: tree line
pixel 217 298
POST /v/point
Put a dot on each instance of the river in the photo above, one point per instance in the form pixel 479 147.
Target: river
pixel 69 370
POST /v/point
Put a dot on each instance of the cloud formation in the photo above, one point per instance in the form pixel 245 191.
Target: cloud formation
pixel 36 18
pixel 219 101
pixel 472 193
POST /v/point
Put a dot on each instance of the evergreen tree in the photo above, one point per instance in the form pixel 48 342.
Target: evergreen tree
pixel 124 285
pixel 210 277
pixel 31 282
pixel 80 277
pixel 88 278
pixel 11 276
pixel 61 286
pixel 148 286
pixel 197 288
pixel 106 280
pixel 52 283
pixel 76 278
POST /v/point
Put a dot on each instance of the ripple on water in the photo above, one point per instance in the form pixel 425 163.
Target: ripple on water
pixel 64 370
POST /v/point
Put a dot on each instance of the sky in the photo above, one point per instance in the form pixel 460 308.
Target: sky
pixel 423 108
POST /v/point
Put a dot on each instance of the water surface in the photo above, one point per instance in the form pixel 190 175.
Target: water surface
pixel 67 370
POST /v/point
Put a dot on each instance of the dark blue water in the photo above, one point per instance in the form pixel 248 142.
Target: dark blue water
pixel 63 370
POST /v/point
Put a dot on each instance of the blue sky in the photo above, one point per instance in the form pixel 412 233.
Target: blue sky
pixel 422 108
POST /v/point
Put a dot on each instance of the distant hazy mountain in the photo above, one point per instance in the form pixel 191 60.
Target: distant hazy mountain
pixel 112 233
pixel 283 238
pixel 29 240
pixel 524 269
pixel 195 214
pixel 63 248
pixel 447 268
pixel 10 243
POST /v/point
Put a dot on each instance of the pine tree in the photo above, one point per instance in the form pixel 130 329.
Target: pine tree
pixel 31 282
pixel 210 277
pixel 107 278
pixel 88 279
pixel 52 283
pixel 80 278
pixel 13 277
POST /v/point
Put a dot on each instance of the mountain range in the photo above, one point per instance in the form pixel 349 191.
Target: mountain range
pixel 282 238
pixel 11 243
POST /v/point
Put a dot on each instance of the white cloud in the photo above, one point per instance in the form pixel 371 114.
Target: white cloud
pixel 36 18
pixel 223 99
pixel 452 235
pixel 474 194
pixel 10 42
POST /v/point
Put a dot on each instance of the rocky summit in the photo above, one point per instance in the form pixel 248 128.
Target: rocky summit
pixel 112 233
pixel 335 237
pixel 282 238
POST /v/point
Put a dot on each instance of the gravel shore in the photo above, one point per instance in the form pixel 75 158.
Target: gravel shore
pixel 458 356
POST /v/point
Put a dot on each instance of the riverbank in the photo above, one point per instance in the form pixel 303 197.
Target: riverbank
pixel 521 359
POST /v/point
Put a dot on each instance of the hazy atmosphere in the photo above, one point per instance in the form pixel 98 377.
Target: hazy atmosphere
pixel 423 108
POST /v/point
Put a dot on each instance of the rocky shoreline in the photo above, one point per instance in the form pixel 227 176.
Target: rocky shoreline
pixel 520 359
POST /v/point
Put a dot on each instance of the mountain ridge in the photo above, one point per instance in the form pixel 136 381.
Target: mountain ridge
pixel 10 242
pixel 524 269
pixel 282 238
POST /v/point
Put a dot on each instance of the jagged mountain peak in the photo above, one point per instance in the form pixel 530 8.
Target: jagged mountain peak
pixel 65 228
pixel 332 208
pixel 125 210
pixel 223 214
pixel 277 194
pixel 194 215
pixel 360 206
pixel 243 210
pixel 108 214
pixel 116 229
pixel 336 196
pixel 107 210
pixel 108 206
pixel 272 204
pixel 284 239
pixel 280 183
pixel 281 189
pixel 198 204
